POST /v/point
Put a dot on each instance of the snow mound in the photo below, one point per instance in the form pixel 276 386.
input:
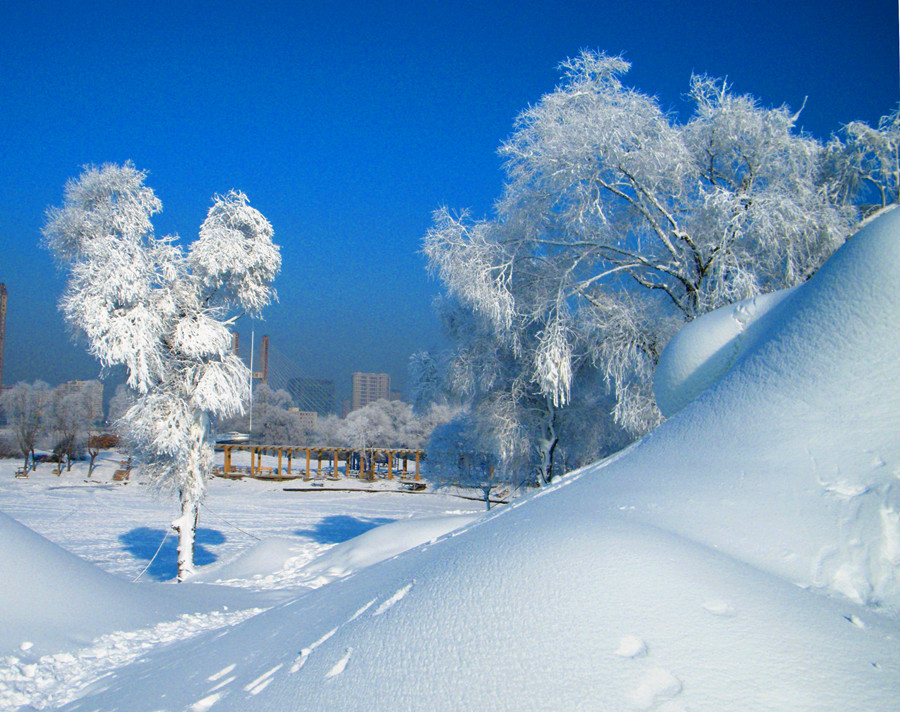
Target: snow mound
pixel 721 563
pixel 52 600
pixel 704 349
pixel 262 561
pixel 379 544
pixel 285 562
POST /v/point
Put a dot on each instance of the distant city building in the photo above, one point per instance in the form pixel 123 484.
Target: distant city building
pixel 312 395
pixel 308 418
pixel 368 388
pixel 95 391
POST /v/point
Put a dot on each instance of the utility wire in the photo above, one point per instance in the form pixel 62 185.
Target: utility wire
pixel 221 518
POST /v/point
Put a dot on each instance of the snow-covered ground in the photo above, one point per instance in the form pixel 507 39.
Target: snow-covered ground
pixel 65 622
pixel 743 556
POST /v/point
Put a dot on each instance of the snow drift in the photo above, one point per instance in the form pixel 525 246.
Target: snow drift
pixel 703 351
pixel 52 600
pixel 744 556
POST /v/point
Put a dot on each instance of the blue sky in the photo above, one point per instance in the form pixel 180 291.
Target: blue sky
pixel 347 123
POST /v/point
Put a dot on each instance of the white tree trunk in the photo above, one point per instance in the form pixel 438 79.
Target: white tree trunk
pixel 186 526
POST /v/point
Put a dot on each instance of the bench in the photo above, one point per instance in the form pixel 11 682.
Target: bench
pixel 20 472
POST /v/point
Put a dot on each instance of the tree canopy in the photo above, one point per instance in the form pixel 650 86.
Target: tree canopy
pixel 617 223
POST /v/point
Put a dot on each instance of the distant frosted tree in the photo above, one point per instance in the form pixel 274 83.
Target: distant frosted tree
pixel 329 431
pixel 163 313
pixel 68 418
pixel 426 381
pixel 26 406
pixel 865 161
pixel 273 421
pixel 456 458
pixel 617 224
pixel 119 404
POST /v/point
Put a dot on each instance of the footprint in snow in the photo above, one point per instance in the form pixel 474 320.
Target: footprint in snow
pixel 340 665
pixel 392 600
pixel 657 686
pixel 260 683
pixel 306 652
pixel 205 704
pixel 630 646
pixel 721 608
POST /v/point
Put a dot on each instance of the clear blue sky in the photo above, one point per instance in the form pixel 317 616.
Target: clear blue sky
pixel 347 123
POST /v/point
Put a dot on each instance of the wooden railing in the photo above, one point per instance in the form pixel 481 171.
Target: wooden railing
pixel 359 463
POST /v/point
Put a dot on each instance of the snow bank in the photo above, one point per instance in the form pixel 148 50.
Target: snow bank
pixel 380 544
pixel 51 600
pixel 703 351
pixel 721 563
pixel 280 561
pixel 790 461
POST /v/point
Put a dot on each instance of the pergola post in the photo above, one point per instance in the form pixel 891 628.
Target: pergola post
pixel 307 463
pixel 390 465
pixel 226 466
pixel 418 452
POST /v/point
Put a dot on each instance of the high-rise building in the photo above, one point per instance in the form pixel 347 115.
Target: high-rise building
pixel 369 387
pixel 312 394
pixel 307 418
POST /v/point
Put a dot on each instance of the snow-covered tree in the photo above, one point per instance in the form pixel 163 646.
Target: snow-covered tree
pixel 455 458
pixel 93 411
pixel 426 381
pixel 25 406
pixel 68 418
pixel 865 161
pixel 163 312
pixel 119 404
pixel 617 224
pixel 273 421
pixel 329 431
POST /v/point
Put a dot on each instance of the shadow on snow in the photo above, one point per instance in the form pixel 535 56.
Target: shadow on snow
pixel 338 528
pixel 143 542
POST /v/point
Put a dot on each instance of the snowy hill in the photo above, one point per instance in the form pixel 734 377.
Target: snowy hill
pixel 744 556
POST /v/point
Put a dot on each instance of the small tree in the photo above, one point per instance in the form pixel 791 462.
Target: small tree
pixel 163 313
pixel 69 415
pixel 25 406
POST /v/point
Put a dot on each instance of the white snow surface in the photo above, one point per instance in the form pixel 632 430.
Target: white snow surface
pixel 280 559
pixel 703 351
pixel 743 556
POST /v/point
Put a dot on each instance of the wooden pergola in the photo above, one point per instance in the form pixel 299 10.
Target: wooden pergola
pixel 362 463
